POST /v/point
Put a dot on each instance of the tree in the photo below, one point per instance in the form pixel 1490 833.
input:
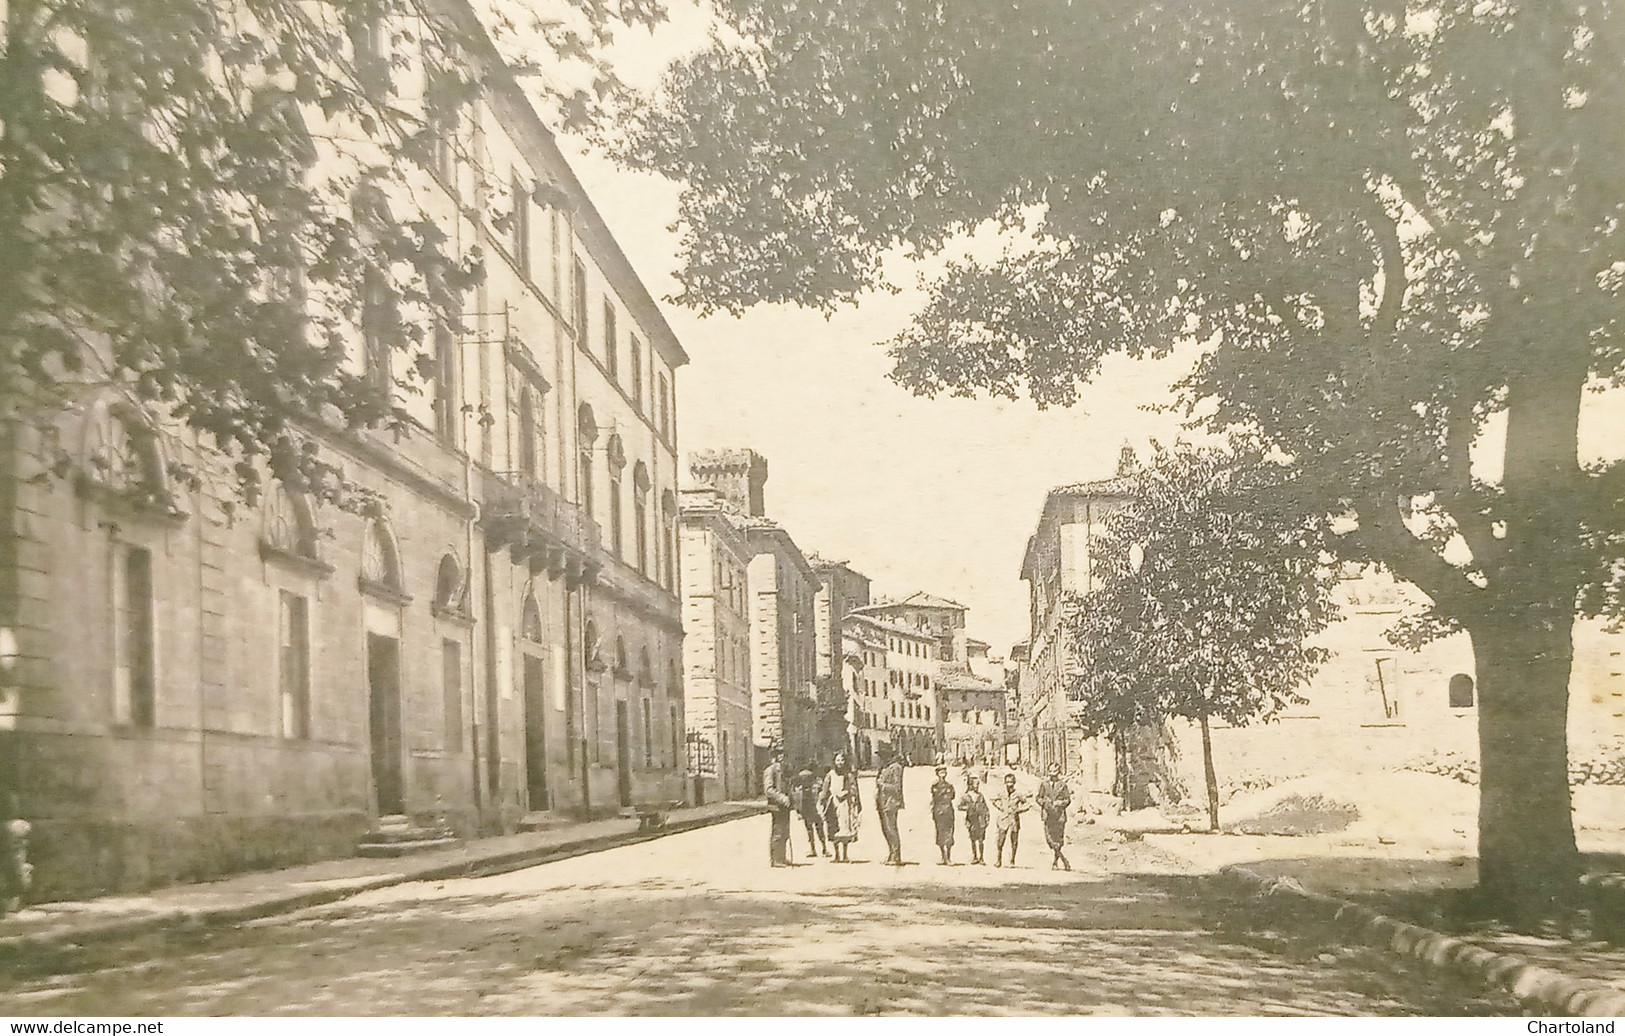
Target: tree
pixel 1393 224
pixel 1205 590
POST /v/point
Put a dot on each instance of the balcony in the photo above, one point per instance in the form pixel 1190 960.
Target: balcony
pixel 539 527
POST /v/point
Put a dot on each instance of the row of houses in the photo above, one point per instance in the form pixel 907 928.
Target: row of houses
pixel 788 647
pixel 1372 704
pixel 194 686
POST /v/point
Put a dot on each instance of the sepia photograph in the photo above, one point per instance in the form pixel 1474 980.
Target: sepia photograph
pixel 916 509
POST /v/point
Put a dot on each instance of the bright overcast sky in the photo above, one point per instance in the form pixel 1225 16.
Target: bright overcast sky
pixel 918 494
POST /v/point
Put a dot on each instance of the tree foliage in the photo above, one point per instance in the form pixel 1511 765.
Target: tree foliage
pixel 1205 590
pixel 1391 223
pixel 201 201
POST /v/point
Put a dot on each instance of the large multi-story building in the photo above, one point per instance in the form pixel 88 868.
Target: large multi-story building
pixel 205 688
pixel 841 589
pixel 898 683
pixel 1055 566
pixel 781 587
pixel 973 717
pixel 716 648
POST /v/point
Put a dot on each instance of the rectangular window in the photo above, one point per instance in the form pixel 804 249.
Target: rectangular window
pixel 293 662
pixel 665 410
pixel 648 737
pixel 578 300
pixel 636 350
pixel 676 729
pixel 521 225
pixel 378 328
pixel 612 352
pixel 616 534
pixel 446 411
pixel 135 677
pixel 451 691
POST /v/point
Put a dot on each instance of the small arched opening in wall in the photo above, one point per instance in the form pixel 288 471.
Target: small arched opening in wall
pixel 1461 691
pixel 381 562
pixel 450 587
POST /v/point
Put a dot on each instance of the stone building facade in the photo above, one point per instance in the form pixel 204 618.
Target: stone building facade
pixel 204 687
pixel 841 589
pixel 781 588
pixel 973 717
pixel 896 686
pixel 716 648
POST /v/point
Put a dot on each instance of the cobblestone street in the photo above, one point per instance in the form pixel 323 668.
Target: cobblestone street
pixel 698 923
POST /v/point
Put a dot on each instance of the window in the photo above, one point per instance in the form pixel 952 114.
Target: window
pixel 665 409
pixel 293 663
pixel 135 678
pixel 290 528
pixel 668 532
pixel 448 587
pixel 527 433
pixel 676 730
pixel 617 461
pixel 380 562
pixel 446 410
pixel 1461 691
pixel 441 105
pixel 640 515
pixel 635 348
pixel 368 43
pixel 612 352
pixel 451 694
pixel 378 328
pixel 521 225
pixel 530 620
pixel 578 300
pixel 586 435
pixel 648 736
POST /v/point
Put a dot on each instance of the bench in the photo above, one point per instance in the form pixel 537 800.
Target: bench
pixel 650 816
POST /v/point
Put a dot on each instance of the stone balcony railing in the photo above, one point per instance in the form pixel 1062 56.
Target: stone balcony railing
pixel 539 527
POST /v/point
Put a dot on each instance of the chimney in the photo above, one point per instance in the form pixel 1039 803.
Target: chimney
pixel 738 475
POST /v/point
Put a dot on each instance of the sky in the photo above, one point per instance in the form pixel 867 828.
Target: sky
pixel 918 494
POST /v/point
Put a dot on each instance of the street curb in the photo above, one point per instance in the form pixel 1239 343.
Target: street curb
pixel 1530 983
pixel 23 947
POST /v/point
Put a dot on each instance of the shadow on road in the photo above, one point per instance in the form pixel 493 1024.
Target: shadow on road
pixel 1147 944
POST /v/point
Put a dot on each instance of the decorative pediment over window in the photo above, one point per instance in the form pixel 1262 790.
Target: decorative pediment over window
pixel 288 533
pixel 450 590
pixel 381 564
pixel 530 620
pixel 123 465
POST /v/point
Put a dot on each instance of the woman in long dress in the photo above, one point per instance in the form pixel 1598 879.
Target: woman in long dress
pixel 942 813
pixel 842 806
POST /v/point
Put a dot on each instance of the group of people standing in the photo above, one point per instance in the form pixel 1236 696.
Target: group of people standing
pixel 831 807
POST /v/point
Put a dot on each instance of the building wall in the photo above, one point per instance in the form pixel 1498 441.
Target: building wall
pixel 523 711
pixel 717 655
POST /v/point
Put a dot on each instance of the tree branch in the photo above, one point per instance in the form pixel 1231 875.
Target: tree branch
pixel 1384 537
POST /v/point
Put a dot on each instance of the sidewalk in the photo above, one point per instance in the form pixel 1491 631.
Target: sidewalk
pixel 49 926
pixel 1387 893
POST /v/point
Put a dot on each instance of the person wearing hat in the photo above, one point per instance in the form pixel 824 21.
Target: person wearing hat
pixel 776 789
pixel 1053 799
pixel 888 800
pixel 942 814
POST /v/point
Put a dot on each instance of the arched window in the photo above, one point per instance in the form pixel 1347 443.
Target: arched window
pixel 617 463
pixel 591 655
pixel 527 433
pixel 640 516
pixel 1461 691
pixel 586 435
pixel 289 527
pixel 530 620
pixel 646 673
pixel 122 454
pixel 449 595
pixel 622 664
pixel 674 681
pixel 380 560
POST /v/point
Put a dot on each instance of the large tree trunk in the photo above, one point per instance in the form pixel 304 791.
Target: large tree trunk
pixel 1527 858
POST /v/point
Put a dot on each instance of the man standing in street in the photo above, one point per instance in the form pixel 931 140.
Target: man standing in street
pixel 776 788
pixel 1053 799
pixel 888 800
pixel 1007 809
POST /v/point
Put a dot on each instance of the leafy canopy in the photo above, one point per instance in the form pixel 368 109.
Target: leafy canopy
pixel 1206 588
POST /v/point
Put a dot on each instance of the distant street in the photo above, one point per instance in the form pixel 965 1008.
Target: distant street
pixel 699 924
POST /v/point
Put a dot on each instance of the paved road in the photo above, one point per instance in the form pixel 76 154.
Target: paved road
pixel 699 924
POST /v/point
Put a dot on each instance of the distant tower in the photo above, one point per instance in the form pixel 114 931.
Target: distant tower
pixel 1127 463
pixel 738 475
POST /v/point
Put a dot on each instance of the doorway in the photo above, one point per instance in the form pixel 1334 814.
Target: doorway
pixel 536 733
pixel 384 713
pixel 623 755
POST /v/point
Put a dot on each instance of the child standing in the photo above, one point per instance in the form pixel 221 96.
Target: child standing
pixel 974 805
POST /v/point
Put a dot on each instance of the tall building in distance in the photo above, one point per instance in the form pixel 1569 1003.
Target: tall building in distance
pixel 716 649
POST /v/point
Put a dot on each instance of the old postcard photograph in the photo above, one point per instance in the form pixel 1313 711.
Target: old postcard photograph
pixel 800 508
